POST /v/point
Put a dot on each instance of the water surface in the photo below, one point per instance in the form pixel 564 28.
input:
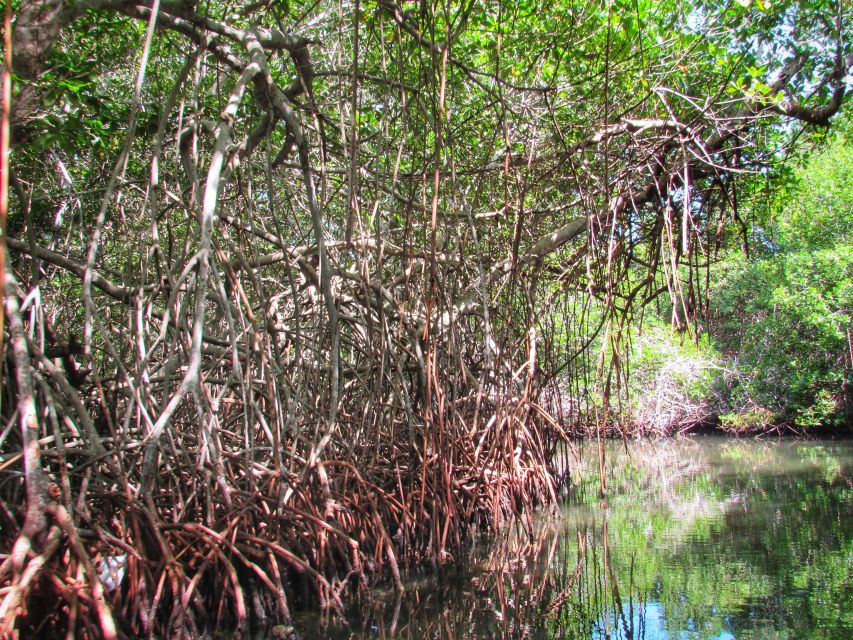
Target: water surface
pixel 700 538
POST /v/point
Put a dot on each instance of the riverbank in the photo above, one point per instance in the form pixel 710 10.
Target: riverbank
pixel 716 426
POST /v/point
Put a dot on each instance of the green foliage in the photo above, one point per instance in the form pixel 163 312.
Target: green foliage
pixel 784 316
pixel 820 210
pixel 746 420
pixel 775 348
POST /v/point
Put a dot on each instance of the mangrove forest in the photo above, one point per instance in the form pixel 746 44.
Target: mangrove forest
pixel 319 315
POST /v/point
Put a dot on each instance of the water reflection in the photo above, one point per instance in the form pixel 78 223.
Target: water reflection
pixel 701 539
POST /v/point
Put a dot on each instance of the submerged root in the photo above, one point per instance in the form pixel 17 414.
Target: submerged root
pixel 246 547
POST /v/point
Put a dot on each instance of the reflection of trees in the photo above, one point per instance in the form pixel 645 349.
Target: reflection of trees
pixel 519 585
pixel 534 581
pixel 763 540
pixel 764 550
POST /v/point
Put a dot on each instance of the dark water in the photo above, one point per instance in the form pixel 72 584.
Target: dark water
pixel 701 538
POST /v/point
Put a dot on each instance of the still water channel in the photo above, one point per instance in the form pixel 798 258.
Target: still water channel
pixel 701 538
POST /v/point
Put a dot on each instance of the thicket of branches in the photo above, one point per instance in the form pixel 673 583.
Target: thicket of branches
pixel 300 293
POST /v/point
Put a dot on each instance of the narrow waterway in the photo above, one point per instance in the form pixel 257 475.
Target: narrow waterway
pixel 700 538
